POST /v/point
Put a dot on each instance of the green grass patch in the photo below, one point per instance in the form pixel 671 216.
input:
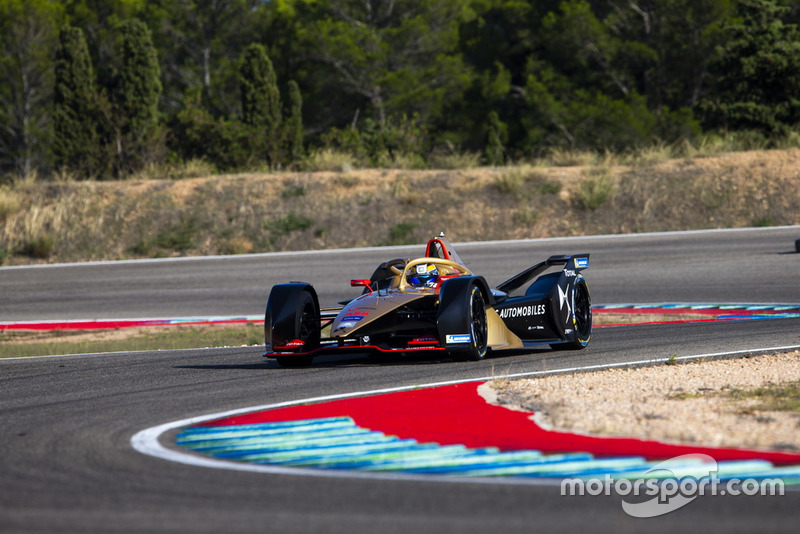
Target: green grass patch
pixel 18 344
pixel 290 223
pixel 294 191
pixel 771 397
pixel 550 188
pixel 401 234
pixel 179 236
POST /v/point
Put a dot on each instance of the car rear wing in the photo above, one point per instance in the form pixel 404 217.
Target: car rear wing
pixel 575 262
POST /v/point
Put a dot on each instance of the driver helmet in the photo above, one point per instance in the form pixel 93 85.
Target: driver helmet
pixel 424 275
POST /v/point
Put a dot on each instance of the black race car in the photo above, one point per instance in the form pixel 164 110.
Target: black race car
pixel 434 303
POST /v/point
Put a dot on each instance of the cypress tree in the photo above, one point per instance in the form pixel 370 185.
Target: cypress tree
pixel 137 90
pixel 261 99
pixel 294 124
pixel 75 144
pixel 496 136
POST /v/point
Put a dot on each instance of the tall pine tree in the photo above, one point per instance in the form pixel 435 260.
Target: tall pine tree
pixel 136 93
pixel 75 143
pixel 261 100
pixel 496 138
pixel 294 124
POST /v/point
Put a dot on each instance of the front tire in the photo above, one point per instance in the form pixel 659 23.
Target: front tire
pixel 306 329
pixel 478 326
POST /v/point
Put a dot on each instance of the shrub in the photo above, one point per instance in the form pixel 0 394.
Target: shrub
pixel 178 237
pixel 594 192
pixel 550 188
pixel 293 191
pixel 510 182
pixel 292 223
pixel 561 157
pixel 238 245
pixel 381 145
pixel 328 159
pixel 194 168
pixel 454 160
pixel 401 233
pixel 9 203
pixel 40 247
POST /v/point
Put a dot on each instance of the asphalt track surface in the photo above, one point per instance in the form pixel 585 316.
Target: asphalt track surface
pixel 67 465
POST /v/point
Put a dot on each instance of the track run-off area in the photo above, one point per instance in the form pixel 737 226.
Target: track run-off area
pixel 73 427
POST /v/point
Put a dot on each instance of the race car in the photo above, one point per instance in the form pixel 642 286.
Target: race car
pixel 434 303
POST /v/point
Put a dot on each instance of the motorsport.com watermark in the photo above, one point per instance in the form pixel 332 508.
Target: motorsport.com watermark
pixel 672 484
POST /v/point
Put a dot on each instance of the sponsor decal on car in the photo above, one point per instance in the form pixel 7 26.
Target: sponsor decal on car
pixel 292 345
pixel 581 263
pixel 423 340
pixel 458 338
pixel 352 318
pixel 522 311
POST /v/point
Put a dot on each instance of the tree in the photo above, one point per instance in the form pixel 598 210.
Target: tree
pixel 393 58
pixel 757 77
pixel 135 99
pixel 261 100
pixel 200 43
pixel 294 124
pixel 226 144
pixel 678 41
pixel 496 137
pixel 75 141
pixel 28 33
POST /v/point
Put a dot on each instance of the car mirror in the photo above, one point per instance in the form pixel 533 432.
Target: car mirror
pixel 364 283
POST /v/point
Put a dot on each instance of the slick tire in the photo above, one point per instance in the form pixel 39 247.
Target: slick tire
pixel 582 316
pixel 306 322
pixel 479 329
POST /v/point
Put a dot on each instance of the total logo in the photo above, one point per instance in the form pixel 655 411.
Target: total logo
pixel 522 311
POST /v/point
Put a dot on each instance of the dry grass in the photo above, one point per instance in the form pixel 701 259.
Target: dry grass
pixel 331 209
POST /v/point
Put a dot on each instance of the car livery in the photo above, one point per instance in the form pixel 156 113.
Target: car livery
pixel 435 303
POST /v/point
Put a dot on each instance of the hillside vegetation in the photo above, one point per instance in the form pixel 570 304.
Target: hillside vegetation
pixel 245 213
pixel 105 89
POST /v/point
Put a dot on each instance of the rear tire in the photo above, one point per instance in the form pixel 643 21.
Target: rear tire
pixel 582 315
pixel 306 329
pixel 479 330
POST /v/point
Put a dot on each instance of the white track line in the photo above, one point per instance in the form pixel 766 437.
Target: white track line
pixel 148 441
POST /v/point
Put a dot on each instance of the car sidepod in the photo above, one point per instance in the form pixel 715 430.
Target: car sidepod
pixel 554 310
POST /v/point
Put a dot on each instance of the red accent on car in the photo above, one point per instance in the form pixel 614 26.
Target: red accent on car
pixel 295 344
pixel 365 283
pixel 424 340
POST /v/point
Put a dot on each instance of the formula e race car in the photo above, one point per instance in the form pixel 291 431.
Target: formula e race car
pixel 434 303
